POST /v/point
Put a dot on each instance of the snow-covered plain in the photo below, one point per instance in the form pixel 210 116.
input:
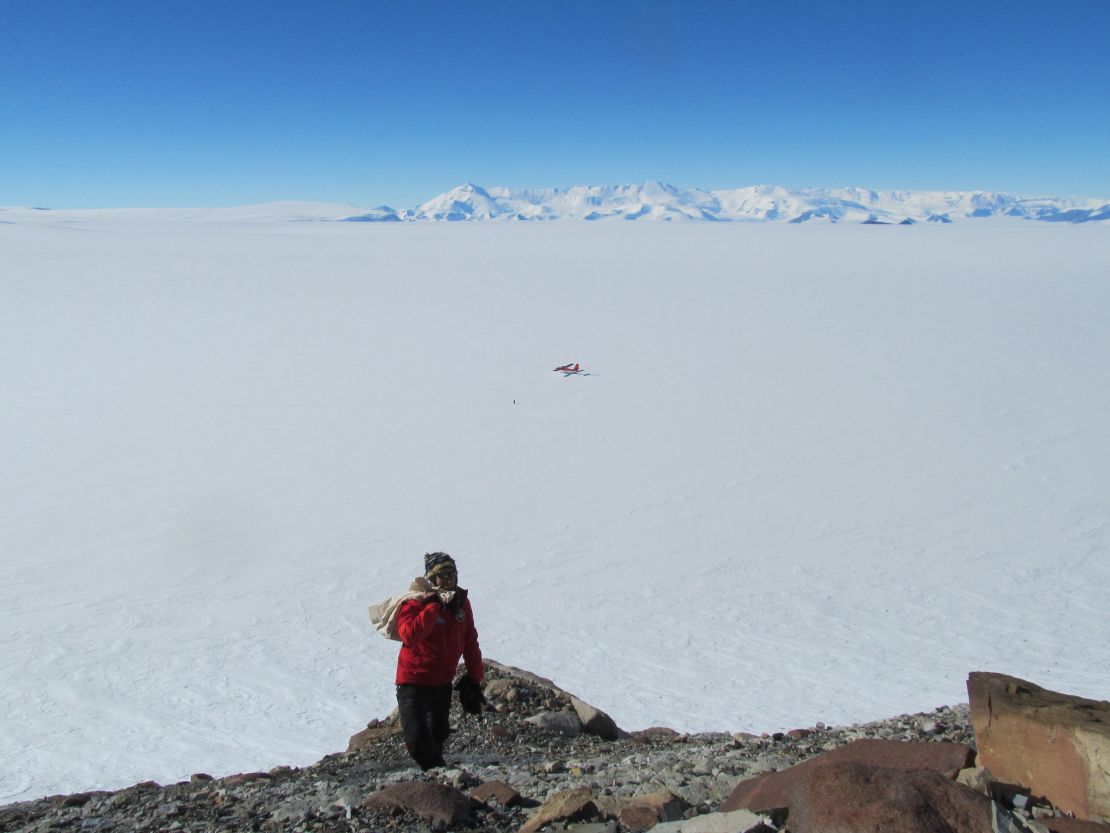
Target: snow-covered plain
pixel 815 473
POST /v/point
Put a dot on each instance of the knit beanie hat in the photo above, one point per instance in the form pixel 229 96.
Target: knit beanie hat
pixel 437 562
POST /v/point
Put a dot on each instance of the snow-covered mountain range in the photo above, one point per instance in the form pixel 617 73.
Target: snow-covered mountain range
pixel 649 201
pixel 757 203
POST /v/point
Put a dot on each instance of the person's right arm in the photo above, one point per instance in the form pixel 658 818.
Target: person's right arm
pixel 416 619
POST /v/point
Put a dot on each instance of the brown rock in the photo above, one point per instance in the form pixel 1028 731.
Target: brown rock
pixel 244 777
pixel 568 805
pixel 1065 825
pixel 372 735
pixel 437 804
pixel 772 791
pixel 798 734
pixel 497 792
pixel 641 812
pixel 637 817
pixel 1052 744
pixel 846 797
pixel 198 777
pixel 594 720
pixel 500 732
pixel 660 734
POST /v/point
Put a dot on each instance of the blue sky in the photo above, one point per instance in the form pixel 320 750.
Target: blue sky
pixel 168 103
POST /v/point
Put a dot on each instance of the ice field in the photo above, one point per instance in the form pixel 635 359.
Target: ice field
pixel 815 473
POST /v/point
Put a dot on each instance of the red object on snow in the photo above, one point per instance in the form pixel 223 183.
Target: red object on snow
pixel 568 368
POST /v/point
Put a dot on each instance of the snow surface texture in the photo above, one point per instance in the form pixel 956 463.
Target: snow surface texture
pixel 816 473
pixel 650 201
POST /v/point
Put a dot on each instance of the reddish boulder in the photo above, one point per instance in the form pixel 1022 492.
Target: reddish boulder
pixel 437 804
pixel 1052 744
pixel 845 797
pixel 772 791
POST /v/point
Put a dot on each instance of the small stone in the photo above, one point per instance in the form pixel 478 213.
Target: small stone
pixel 498 792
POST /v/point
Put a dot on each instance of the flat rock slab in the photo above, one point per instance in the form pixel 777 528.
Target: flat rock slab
pixel 437 804
pixel 497 792
pixel 567 806
pixel 772 791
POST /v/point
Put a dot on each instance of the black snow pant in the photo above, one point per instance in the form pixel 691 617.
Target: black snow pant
pixel 424 713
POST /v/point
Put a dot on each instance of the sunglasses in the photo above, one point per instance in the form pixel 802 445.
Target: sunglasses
pixel 446 574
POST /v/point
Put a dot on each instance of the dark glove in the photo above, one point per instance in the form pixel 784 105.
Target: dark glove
pixel 432 598
pixel 470 695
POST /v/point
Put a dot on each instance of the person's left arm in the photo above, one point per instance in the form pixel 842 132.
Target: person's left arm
pixel 472 653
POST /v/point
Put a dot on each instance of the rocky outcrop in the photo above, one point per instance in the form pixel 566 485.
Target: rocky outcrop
pixel 1051 744
pixel 506 773
pixel 591 719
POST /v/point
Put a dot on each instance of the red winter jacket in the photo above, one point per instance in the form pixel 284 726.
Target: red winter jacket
pixel 433 640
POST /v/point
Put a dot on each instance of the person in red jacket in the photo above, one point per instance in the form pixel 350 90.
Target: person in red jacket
pixel 435 631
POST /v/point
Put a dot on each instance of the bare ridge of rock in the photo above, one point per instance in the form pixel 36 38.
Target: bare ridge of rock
pixel 594 720
pixel 1054 745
